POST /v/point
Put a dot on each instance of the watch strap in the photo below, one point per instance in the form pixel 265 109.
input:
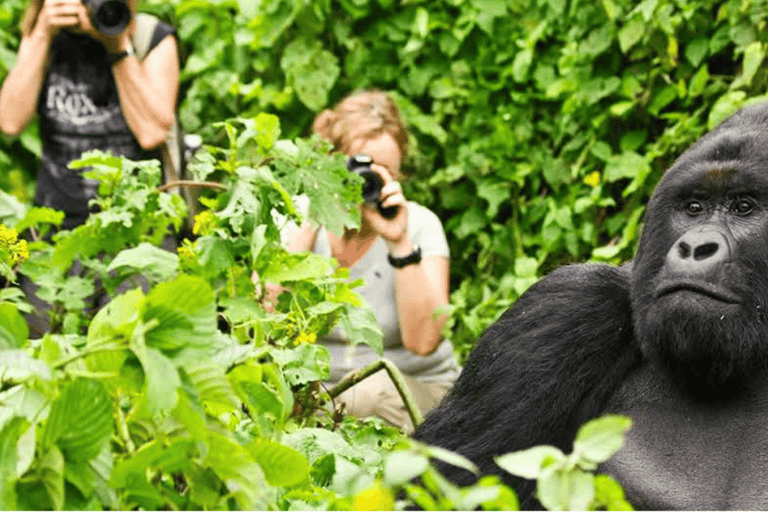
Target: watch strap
pixel 411 259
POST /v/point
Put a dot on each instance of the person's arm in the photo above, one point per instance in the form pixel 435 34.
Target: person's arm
pixel 21 89
pixel 148 90
pixel 420 288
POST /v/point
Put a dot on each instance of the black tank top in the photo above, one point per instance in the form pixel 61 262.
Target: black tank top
pixel 79 110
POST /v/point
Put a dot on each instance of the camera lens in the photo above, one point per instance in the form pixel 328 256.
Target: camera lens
pixel 111 14
pixel 110 17
pixel 372 185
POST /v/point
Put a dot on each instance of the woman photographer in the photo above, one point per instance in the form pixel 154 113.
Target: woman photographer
pixel 91 92
pixel 403 261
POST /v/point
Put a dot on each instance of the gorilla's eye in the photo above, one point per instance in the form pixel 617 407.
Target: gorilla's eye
pixel 743 205
pixel 694 207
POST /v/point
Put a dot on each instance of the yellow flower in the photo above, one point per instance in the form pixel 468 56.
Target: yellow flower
pixel 205 222
pixel 304 337
pixel 8 236
pixel 592 179
pixel 19 252
pixel 186 253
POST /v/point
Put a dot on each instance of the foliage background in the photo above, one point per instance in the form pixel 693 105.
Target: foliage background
pixel 539 127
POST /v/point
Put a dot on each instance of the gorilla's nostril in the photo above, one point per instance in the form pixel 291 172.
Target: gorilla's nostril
pixel 704 251
pixel 684 249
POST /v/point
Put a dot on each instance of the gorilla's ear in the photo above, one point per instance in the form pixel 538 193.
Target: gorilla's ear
pixel 545 367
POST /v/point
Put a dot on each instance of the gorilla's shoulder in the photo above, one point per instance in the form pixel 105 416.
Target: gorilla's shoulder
pixel 577 296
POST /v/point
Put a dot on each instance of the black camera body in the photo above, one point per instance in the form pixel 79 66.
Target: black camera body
pixel 360 164
pixel 110 17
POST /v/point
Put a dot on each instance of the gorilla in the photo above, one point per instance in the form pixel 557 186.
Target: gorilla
pixel 676 339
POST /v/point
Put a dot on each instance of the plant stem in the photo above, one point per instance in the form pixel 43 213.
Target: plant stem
pixel 191 184
pixel 397 379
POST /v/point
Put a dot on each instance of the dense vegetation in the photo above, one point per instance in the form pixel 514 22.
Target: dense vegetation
pixel 539 128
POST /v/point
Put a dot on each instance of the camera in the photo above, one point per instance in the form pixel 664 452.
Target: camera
pixel 360 164
pixel 110 17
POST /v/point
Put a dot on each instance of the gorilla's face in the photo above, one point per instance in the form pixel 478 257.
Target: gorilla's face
pixel 700 277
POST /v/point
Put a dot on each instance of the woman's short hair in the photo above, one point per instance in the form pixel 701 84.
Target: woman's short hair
pixel 363 115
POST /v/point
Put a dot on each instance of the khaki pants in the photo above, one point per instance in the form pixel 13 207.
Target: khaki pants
pixel 377 396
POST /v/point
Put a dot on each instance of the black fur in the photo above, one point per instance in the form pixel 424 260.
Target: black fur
pixel 555 359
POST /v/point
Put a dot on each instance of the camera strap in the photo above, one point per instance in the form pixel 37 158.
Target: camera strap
pixel 172 150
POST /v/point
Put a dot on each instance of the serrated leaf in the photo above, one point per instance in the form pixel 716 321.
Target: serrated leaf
pixel 80 421
pixel 282 466
pixel 213 386
pixel 529 463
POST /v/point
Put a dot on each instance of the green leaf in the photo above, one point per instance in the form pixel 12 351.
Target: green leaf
pixel 153 262
pixel 282 466
pixel 323 469
pixel 609 495
pixel 80 421
pixel 559 489
pixel 162 381
pixel 597 440
pixel 9 438
pixel 234 465
pixel 16 365
pixel 311 70
pixel 724 107
pixel 185 312
pixel 403 466
pixel 13 328
pixel 631 33
pixel 288 267
pixel 531 462
pixel 754 55
pixel 696 51
pixel 213 386
pixel 360 326
pixel 627 165
pixel 52 475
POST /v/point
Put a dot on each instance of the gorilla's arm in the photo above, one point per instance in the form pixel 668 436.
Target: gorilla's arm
pixel 545 367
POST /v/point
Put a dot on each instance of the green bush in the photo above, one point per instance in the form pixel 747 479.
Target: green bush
pixel 539 127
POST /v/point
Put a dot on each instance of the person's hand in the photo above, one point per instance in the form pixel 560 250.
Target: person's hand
pixel 58 14
pixel 393 230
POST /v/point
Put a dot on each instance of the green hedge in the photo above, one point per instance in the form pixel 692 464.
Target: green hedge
pixel 539 126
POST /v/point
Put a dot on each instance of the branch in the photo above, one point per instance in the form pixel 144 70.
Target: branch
pixel 191 184
pixel 397 379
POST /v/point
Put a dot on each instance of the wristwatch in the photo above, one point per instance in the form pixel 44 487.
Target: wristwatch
pixel 404 261
pixel 114 58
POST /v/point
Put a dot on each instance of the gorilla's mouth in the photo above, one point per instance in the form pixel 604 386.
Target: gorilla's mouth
pixel 707 289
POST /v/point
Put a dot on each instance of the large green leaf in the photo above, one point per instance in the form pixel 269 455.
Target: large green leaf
pixel 9 437
pixel 184 312
pixel 312 70
pixel 80 421
pixel 13 327
pixel 282 466
pixel 148 260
